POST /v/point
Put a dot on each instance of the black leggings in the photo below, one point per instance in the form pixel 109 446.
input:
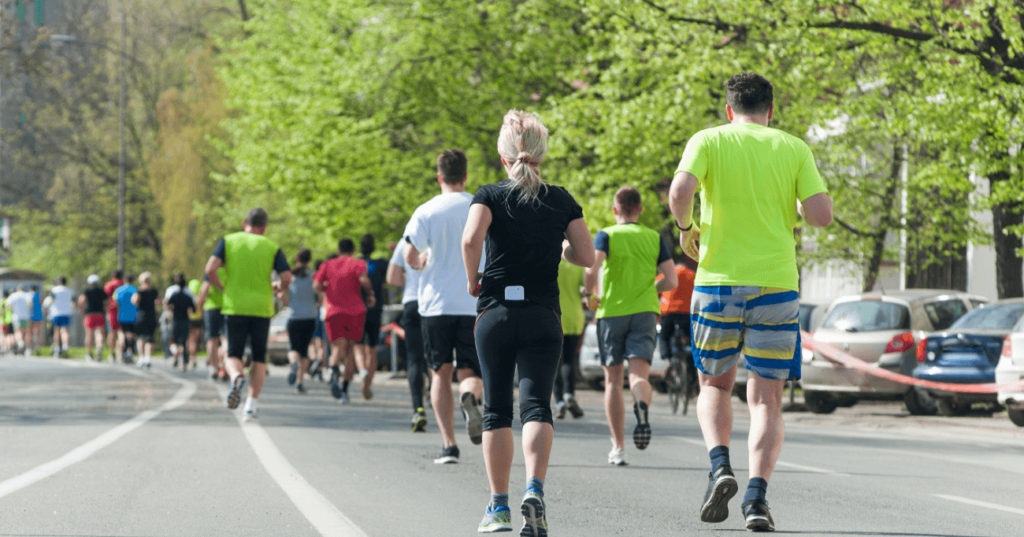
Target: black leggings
pixel 415 367
pixel 565 381
pixel 670 322
pixel 528 337
pixel 300 333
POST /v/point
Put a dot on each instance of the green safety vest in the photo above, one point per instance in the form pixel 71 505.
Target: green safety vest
pixel 214 297
pixel 249 260
pixel 628 273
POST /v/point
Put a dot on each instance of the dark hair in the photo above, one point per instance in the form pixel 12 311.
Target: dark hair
pixel 179 280
pixel 332 255
pixel 629 201
pixel 62 280
pixel 749 93
pixel 257 217
pixel 346 246
pixel 316 264
pixel 451 164
pixel 35 288
pixel 129 278
pixel 302 257
pixel 367 245
pixel 118 274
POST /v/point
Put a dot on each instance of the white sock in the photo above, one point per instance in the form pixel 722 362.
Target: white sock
pixel 250 404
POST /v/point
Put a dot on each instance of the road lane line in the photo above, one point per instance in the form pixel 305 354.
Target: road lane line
pixel 86 450
pixel 977 503
pixel 325 517
pixel 778 463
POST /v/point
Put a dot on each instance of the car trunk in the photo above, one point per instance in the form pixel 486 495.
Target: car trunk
pixel 968 348
pixel 868 346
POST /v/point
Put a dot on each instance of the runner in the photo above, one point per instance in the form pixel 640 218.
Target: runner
pixel 210 300
pixel 366 349
pixel 447 311
pixel 249 259
pixel 36 328
pixel 752 178
pixel 400 275
pixel 114 328
pixel 21 304
pixel 629 256
pixel 340 280
pixel 528 226
pixel 675 308
pixel 570 300
pixel 127 314
pixel 195 322
pixel 61 312
pixel 182 308
pixel 178 284
pixel 146 299
pixel 317 347
pixel 8 343
pixel 303 301
pixel 92 305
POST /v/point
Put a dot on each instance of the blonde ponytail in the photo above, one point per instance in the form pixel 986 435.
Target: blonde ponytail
pixel 522 144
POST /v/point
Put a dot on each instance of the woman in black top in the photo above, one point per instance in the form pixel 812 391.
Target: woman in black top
pixel 528 226
pixel 146 299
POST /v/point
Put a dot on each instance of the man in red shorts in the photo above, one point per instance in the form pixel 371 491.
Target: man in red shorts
pixel 340 279
pixel 116 280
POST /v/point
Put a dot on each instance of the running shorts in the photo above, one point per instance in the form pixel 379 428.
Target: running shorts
pixel 196 323
pixel 760 322
pixel 320 330
pixel 112 317
pixel 349 327
pixel 627 336
pixel 60 321
pixel 180 332
pixel 94 321
pixel 449 338
pixel 371 328
pixel 300 334
pixel 145 326
pixel 128 328
pixel 213 321
pixel 241 329
pixel 21 323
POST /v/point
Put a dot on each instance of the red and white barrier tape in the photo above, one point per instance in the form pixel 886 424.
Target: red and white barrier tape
pixel 837 356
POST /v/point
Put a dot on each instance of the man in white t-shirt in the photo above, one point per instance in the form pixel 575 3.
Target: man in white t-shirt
pixel 21 303
pixel 448 312
pixel 61 311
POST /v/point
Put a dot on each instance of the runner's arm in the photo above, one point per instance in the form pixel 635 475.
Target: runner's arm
pixel 680 200
pixel 473 244
pixel 395 275
pixel 579 246
pixel 414 258
pixel 590 279
pixel 286 280
pixel 364 281
pixel 135 299
pixel 816 210
pixel 81 305
pixel 670 280
pixel 204 291
pixel 211 271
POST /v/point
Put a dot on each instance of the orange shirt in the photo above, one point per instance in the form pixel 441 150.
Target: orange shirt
pixel 678 299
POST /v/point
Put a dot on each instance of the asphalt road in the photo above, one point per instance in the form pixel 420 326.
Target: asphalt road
pixel 108 450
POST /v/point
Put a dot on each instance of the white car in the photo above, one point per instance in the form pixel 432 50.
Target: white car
pixel 1011 369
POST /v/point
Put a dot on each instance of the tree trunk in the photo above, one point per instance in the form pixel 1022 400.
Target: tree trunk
pixel 1009 267
pixel 875 263
pixel 241 7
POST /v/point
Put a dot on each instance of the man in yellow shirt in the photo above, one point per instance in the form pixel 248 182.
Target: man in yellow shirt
pixel 752 180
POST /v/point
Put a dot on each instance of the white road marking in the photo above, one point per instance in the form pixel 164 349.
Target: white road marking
pixel 325 517
pixel 977 503
pixel 779 463
pixel 86 450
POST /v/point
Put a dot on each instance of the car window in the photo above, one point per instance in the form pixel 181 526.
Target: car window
pixel 977 302
pixel 994 317
pixel 944 313
pixel 868 316
pixel 805 316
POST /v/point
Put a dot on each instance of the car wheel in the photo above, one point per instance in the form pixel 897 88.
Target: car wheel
pixel 951 409
pixel 919 404
pixel 740 392
pixel 847 402
pixel 1017 417
pixel 820 402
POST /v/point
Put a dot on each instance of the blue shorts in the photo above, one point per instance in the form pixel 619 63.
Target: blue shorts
pixel 761 322
pixel 61 321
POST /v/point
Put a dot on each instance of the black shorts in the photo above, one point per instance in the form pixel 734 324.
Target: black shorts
pixel 371 328
pixel 449 338
pixel 145 326
pixel 240 329
pixel 128 328
pixel 180 332
pixel 213 321
pixel 195 323
pixel 300 334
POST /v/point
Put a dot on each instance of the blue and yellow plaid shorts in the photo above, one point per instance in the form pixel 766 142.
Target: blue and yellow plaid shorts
pixel 761 322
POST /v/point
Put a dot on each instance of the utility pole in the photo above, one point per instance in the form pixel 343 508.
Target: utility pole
pixel 120 185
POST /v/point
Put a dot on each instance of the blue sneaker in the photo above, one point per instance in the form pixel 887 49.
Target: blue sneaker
pixel 235 392
pixel 293 373
pixel 534 522
pixel 494 521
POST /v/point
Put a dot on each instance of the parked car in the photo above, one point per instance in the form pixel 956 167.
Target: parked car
pixel 880 329
pixel 277 346
pixel 1011 369
pixel 967 353
pixel 590 362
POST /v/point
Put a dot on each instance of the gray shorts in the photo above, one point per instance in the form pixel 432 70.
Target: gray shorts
pixel 628 336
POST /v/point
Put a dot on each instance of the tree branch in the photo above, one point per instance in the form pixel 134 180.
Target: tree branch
pixel 878 28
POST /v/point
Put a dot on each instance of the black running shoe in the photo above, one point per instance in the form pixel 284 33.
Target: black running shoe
pixel 574 407
pixel 722 487
pixel 293 373
pixel 300 389
pixel 235 392
pixel 449 455
pixel 474 420
pixel 335 387
pixel 642 433
pixel 759 518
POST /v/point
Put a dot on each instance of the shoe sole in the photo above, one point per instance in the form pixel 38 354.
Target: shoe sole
pixel 474 421
pixel 420 426
pixel 759 524
pixel 250 419
pixel 236 393
pixel 622 463
pixel 446 460
pixel 495 529
pixel 335 390
pixel 642 435
pixel 367 393
pixel 533 518
pixel 716 509
pixel 575 409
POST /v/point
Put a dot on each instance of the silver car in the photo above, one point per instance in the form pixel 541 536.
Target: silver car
pixel 880 329
pixel 590 361
pixel 1011 369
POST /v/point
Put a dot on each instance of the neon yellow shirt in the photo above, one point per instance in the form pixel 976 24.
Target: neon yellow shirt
pixel 750 178
pixel 570 301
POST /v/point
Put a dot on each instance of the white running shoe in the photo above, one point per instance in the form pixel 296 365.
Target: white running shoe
pixel 617 456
